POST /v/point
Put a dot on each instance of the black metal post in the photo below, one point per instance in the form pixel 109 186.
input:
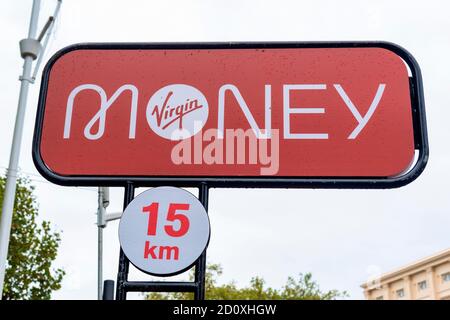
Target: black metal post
pixel 108 290
pixel 124 263
pixel 200 265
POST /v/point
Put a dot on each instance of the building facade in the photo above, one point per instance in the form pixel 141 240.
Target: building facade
pixel 426 279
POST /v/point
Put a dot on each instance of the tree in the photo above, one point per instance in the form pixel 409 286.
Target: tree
pixel 302 289
pixel 32 249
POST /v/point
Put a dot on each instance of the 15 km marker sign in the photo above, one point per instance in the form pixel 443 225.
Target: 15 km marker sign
pixel 164 230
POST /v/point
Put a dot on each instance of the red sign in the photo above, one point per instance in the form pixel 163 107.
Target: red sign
pixel 226 112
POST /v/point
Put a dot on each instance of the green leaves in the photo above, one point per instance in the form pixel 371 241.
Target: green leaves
pixel 303 288
pixel 32 249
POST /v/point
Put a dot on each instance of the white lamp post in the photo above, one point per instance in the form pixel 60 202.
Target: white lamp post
pixel 30 49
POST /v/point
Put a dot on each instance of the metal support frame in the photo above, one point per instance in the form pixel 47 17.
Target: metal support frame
pixel 124 263
pixel 197 286
pixel 200 265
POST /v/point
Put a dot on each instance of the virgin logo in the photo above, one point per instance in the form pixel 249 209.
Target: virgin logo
pixel 177 111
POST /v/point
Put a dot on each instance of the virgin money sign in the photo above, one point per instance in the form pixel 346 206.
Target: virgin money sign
pixel 261 114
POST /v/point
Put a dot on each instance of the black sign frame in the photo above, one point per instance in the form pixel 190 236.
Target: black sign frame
pixel 418 116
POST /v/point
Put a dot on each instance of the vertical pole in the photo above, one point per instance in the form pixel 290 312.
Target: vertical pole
pixel 124 263
pixel 11 174
pixel 200 266
pixel 100 264
pixel 100 226
pixel 108 290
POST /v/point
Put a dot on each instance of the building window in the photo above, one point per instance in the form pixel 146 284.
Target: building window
pixel 379 298
pixel 400 293
pixel 445 277
pixel 422 285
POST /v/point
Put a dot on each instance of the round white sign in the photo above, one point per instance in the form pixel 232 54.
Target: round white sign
pixel 177 111
pixel 164 230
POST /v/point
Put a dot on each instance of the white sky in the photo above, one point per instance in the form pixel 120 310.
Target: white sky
pixel 341 236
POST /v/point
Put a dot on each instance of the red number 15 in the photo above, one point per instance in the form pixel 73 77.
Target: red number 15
pixel 172 216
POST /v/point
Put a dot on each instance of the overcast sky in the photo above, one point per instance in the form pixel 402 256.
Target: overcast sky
pixel 341 236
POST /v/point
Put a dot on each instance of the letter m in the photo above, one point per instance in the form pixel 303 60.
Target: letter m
pixel 100 116
pixel 168 250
